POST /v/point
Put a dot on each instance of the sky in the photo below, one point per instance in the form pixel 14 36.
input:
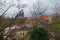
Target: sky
pixel 13 10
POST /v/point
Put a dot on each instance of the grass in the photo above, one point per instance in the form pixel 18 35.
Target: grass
pixel 56 26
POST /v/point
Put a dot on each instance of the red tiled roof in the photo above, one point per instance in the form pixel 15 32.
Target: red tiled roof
pixel 30 20
pixel 43 17
pixel 55 14
pixel 40 17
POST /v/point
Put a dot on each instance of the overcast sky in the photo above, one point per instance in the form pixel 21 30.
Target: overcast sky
pixel 12 11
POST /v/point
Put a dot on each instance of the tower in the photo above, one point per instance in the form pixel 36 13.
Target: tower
pixel 21 14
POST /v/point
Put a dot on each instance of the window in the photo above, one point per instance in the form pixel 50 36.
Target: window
pixel 20 33
pixel 23 34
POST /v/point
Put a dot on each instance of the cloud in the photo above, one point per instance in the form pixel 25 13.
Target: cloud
pixel 12 12
pixel 29 3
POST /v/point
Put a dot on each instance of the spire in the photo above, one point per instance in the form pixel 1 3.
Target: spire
pixel 21 14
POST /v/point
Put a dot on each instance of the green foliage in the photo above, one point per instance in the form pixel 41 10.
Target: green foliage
pixel 1 37
pixel 39 34
pixel 56 19
pixel 23 38
pixel 56 25
pixel 16 21
pixel 14 39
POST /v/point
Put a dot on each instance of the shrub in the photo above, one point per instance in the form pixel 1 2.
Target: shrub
pixel 39 34
pixel 1 37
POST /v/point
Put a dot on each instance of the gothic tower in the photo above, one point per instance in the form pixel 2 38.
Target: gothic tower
pixel 21 13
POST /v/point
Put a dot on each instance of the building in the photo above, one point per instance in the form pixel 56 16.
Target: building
pixel 21 14
pixel 55 18
pixel 44 18
pixel 21 33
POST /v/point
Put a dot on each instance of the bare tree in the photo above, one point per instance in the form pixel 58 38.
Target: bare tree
pixel 37 9
pixel 56 7
pixel 56 19
pixel 12 21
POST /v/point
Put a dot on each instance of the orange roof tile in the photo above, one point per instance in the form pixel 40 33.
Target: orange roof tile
pixel 55 14
pixel 43 17
pixel 30 20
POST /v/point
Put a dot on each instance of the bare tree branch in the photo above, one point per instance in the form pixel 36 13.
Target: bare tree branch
pixel 37 10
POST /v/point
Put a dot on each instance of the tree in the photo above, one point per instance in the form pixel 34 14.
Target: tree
pixel 57 7
pixel 1 36
pixel 56 19
pixel 23 38
pixel 56 10
pixel 39 34
pixel 55 26
pixel 37 10
pixel 11 22
pixel 13 38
